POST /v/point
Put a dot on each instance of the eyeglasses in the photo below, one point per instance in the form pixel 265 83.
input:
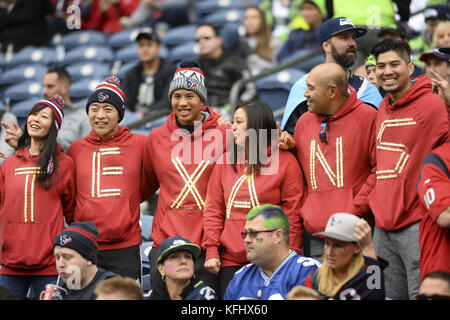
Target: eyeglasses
pixel 325 132
pixel 253 234
pixel 203 38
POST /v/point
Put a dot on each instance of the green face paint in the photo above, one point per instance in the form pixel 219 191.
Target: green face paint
pixel 259 240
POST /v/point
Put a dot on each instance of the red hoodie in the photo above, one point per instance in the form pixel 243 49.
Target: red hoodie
pixel 31 217
pixel 339 174
pixel 110 187
pixel 181 164
pixel 407 131
pixel 231 195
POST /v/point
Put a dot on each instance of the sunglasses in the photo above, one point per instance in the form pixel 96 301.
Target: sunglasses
pixel 254 233
pixel 203 38
pixel 325 132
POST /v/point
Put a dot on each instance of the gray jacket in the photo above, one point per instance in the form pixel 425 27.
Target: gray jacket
pixel 75 125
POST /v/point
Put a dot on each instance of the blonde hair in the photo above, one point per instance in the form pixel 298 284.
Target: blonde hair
pixel 126 287
pixel 329 285
pixel 440 28
pixel 303 292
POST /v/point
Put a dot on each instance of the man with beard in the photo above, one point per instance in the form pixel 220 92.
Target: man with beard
pixel 337 36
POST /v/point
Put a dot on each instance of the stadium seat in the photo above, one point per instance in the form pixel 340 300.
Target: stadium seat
pixel 127 54
pixel 204 8
pixel 2 60
pixel 146 222
pixel 146 283
pixel 32 55
pixel 82 38
pixel 32 72
pixel 307 65
pixel 222 17
pixel 123 38
pixel 83 88
pixel 179 35
pixel 82 70
pixel 187 50
pixel 88 53
pixel 24 90
pixel 274 89
pixel 146 246
pixel 124 68
pixel 23 107
pixel 130 117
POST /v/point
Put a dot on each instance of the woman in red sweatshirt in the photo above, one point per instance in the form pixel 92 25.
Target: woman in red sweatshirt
pixel 179 158
pixel 37 189
pixel 253 173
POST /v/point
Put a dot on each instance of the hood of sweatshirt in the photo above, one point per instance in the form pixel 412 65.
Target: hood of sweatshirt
pixel 349 105
pixel 420 86
pixel 122 135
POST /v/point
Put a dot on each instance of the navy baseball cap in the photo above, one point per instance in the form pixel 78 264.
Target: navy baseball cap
pixel 334 26
pixel 434 52
pixel 177 243
pixel 439 12
pixel 445 50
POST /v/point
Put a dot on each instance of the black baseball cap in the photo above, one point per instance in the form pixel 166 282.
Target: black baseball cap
pixel 434 52
pixel 334 26
pixel 148 33
pixel 177 243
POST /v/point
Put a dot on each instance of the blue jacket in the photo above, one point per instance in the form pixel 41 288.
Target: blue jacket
pixel 299 39
pixel 250 282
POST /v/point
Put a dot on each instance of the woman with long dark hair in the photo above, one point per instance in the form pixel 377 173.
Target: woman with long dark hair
pixel 252 173
pixel 37 189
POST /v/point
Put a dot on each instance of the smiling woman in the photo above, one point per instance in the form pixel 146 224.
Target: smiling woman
pixel 37 187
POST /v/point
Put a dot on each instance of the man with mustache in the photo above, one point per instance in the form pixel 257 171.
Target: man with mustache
pixel 337 36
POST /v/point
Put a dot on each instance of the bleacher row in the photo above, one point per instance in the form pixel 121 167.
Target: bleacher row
pixel 90 56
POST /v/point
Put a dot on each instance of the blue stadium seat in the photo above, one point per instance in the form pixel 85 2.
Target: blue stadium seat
pixel 88 53
pixel 146 222
pixel 127 54
pixel 32 72
pixel 23 107
pixel 24 90
pixel 34 55
pixel 2 59
pixel 307 65
pixel 274 89
pixel 204 8
pixel 129 117
pixel 222 17
pixel 82 38
pixel 88 69
pixel 124 68
pixel 146 283
pixel 123 38
pixel 145 250
pixel 179 35
pixel 83 88
pixel 155 123
pixel 186 50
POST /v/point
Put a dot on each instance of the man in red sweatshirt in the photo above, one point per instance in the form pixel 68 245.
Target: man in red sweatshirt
pixel 110 188
pixel 336 149
pixel 411 122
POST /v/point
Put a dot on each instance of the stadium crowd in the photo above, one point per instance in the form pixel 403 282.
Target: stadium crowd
pixel 331 180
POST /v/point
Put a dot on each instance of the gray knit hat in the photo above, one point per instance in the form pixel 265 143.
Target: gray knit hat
pixel 189 77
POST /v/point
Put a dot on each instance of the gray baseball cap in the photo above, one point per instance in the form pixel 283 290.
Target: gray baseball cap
pixel 340 226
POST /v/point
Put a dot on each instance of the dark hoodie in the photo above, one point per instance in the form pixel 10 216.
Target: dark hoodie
pixel 195 290
pixel 180 163
pixel 340 173
pixel 110 186
pixel 407 130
